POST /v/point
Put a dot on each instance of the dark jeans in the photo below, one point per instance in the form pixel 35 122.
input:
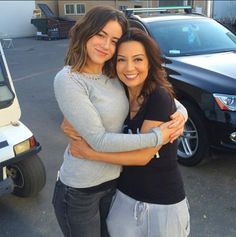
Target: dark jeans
pixel 80 213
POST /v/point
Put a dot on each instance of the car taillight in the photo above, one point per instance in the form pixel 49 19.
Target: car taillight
pixel 32 142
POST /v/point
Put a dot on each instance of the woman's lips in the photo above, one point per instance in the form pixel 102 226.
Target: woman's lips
pixel 130 76
pixel 101 52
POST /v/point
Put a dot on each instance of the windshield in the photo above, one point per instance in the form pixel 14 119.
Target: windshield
pixel 6 94
pixel 192 37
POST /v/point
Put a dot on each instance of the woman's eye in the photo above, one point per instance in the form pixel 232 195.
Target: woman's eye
pixel 101 35
pixel 138 59
pixel 120 60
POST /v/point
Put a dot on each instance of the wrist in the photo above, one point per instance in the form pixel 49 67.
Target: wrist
pixel 91 154
pixel 94 155
pixel 159 136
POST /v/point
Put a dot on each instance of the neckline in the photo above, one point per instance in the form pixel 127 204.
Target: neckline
pixel 92 76
pixel 136 115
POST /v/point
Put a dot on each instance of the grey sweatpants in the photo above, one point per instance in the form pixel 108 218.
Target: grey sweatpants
pixel 131 218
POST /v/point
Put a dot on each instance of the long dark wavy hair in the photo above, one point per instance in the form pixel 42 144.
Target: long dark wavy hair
pixel 91 24
pixel 156 74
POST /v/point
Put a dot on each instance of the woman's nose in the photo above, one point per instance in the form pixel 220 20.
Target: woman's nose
pixel 106 43
pixel 129 65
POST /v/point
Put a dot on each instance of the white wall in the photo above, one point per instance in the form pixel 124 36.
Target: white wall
pixel 224 8
pixel 15 18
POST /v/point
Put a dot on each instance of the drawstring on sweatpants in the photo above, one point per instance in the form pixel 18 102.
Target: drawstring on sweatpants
pixel 139 211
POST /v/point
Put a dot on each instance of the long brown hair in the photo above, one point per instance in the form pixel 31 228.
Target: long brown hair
pixel 156 74
pixel 91 24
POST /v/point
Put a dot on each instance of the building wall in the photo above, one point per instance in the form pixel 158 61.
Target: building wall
pixel 223 9
pixel 53 5
pixel 15 18
pixel 200 6
pixel 91 4
pixel 88 5
pixel 167 3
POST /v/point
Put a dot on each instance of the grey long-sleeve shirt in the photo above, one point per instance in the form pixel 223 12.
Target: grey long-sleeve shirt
pixel 96 107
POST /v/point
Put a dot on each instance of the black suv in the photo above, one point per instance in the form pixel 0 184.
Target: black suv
pixel 199 55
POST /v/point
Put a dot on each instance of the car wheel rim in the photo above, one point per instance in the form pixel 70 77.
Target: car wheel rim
pixel 188 142
pixel 15 173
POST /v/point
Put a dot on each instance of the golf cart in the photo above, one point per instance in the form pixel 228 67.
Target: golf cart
pixel 21 170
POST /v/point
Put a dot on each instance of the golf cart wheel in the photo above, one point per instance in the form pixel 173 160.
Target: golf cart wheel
pixel 193 144
pixel 28 175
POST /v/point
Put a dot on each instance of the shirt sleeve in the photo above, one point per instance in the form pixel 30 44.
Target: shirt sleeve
pixel 73 100
pixel 159 106
pixel 180 108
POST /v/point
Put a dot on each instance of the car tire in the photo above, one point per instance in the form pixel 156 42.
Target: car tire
pixel 193 144
pixel 29 176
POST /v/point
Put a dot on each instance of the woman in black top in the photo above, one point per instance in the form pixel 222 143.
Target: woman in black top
pixel 150 200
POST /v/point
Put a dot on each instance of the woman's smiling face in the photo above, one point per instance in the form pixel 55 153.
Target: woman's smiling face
pixel 132 64
pixel 101 47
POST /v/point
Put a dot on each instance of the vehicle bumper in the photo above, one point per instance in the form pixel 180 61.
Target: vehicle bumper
pixel 22 156
pixel 6 186
pixel 222 130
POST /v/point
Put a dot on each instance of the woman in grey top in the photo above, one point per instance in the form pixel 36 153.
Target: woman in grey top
pixel 94 102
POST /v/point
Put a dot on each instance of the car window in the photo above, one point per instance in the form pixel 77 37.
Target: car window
pixel 6 94
pixel 192 37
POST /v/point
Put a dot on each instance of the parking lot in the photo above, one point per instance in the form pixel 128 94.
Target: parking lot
pixel 210 187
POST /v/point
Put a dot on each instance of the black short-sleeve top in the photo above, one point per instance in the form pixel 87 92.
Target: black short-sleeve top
pixel 159 181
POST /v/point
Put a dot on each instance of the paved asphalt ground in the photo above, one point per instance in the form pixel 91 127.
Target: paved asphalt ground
pixel 210 187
